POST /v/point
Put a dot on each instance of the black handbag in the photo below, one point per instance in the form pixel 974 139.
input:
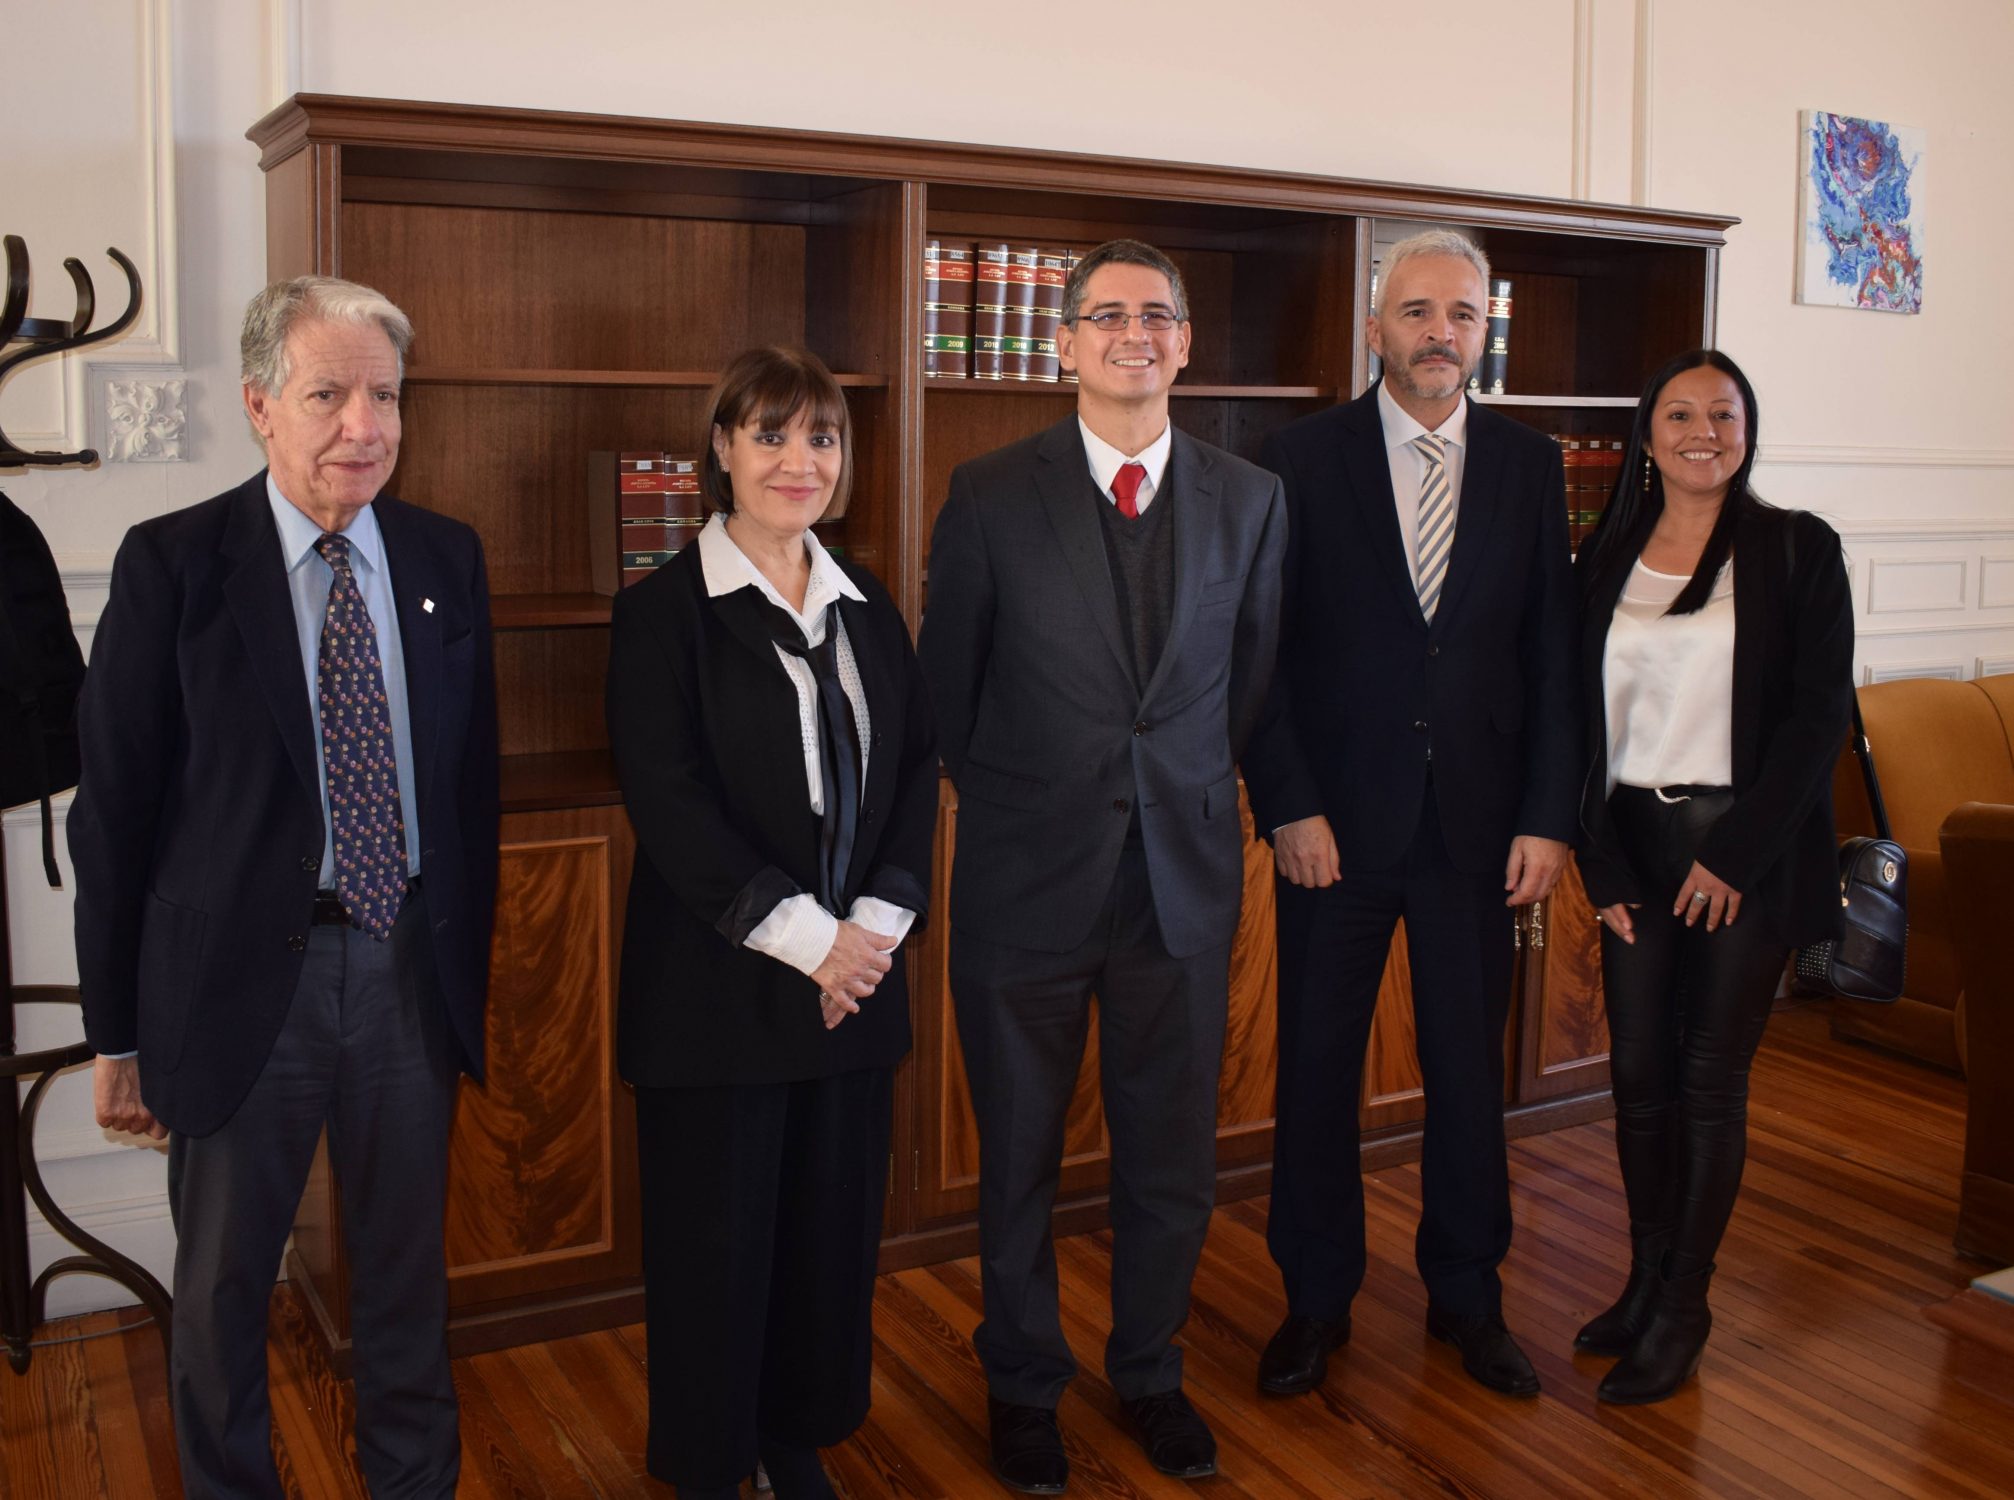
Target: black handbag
pixel 1869 960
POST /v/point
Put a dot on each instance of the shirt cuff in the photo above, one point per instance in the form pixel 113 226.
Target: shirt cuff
pixel 118 1056
pixel 883 917
pixel 797 931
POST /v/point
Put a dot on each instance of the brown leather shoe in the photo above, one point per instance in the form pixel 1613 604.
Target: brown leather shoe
pixel 1297 1358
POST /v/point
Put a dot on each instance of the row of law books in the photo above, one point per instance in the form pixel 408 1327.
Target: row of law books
pixel 991 310
pixel 644 506
pixel 1592 465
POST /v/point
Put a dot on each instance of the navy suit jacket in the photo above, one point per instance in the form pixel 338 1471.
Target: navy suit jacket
pixel 196 833
pixel 1366 686
pixel 1041 724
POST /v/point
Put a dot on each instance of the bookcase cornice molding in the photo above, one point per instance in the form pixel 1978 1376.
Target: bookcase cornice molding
pixel 341 120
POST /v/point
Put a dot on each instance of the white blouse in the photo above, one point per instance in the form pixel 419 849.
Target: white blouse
pixel 1668 681
pixel 799 932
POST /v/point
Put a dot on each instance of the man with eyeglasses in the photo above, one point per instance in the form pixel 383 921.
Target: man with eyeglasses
pixel 1104 606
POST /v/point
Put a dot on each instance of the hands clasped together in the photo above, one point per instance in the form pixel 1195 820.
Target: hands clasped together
pixel 853 966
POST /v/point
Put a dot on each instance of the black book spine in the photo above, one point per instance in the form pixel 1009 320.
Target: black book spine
pixel 1496 339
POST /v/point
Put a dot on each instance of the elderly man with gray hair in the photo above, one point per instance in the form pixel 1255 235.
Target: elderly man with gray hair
pixel 285 841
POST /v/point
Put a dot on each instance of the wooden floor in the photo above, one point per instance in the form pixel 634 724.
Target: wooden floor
pixel 1825 1377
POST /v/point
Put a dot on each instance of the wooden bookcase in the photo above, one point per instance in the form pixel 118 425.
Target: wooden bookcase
pixel 576 281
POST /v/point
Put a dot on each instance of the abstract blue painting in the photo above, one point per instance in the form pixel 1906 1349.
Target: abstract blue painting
pixel 1862 210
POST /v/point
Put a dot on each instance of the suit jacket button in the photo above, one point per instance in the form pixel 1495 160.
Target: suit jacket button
pixel 1141 727
pixel 311 863
pixel 297 944
pixel 1433 650
pixel 1118 804
pixel 1420 725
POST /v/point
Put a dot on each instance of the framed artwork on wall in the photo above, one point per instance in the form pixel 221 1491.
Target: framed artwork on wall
pixel 1861 206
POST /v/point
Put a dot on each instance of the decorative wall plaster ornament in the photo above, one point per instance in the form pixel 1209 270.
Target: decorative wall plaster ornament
pixel 146 421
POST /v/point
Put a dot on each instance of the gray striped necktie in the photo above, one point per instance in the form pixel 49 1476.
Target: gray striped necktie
pixel 1436 522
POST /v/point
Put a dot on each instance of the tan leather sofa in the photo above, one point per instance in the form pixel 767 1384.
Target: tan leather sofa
pixel 1937 744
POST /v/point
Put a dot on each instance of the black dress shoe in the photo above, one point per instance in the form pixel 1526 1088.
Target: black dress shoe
pixel 1177 1440
pixel 1027 1447
pixel 1298 1356
pixel 1489 1353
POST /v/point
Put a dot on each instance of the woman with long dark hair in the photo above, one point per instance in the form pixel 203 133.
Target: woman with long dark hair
pixel 1716 662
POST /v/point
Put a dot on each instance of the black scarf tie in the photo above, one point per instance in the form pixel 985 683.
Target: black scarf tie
pixel 838 754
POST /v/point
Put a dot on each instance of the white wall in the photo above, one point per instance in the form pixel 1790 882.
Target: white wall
pixel 1890 425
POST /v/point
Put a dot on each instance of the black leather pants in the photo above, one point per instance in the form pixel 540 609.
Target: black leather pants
pixel 1686 1009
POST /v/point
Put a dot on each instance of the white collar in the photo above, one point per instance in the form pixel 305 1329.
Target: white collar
pixel 725 568
pixel 298 534
pixel 1401 426
pixel 1107 461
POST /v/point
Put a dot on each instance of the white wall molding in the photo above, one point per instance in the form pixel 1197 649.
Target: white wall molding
pixel 139 1226
pixel 1964 631
pixel 1833 454
pixel 1993 666
pixel 1640 133
pixel 156 338
pixel 1581 167
pixel 283 29
pixel 1949 670
pixel 1953 529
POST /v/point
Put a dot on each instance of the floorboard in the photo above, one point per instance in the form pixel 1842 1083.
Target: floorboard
pixel 1846 1359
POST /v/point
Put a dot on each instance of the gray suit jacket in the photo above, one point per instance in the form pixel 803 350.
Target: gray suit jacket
pixel 1040 722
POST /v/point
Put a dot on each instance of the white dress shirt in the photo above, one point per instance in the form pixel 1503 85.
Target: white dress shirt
pixel 800 932
pixel 1668 682
pixel 1409 466
pixel 1107 461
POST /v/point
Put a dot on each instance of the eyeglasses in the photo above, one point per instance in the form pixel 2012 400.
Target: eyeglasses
pixel 1154 320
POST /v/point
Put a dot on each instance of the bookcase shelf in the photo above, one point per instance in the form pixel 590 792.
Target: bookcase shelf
pixel 1562 403
pixel 576 281
pixel 538 611
pixel 1065 388
pixel 630 379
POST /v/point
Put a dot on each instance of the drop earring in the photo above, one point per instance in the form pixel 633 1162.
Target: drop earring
pixel 1646 473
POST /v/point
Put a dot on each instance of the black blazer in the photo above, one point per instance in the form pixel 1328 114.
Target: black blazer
pixel 1793 701
pixel 1045 731
pixel 197 828
pixel 702 719
pixel 1366 686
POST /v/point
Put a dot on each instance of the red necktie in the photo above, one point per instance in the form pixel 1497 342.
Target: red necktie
pixel 1125 485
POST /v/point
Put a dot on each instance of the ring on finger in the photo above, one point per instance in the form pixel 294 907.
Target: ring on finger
pixel 1699 895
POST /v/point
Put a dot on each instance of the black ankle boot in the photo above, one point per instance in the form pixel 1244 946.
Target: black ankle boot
pixel 1612 1332
pixel 1667 1351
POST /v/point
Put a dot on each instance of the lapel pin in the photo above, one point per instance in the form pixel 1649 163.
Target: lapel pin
pixel 427 605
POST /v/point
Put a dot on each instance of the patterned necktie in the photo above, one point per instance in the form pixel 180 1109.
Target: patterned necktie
pixel 366 824
pixel 1125 486
pixel 1436 522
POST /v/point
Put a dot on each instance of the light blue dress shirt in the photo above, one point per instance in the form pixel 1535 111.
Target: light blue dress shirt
pixel 308 581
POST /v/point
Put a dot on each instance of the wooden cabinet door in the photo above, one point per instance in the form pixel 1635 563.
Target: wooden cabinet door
pixel 945 1146
pixel 1563 1034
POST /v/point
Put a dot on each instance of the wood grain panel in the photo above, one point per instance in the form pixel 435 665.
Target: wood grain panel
pixel 531 1150
pixel 550 690
pixel 1251 1033
pixel 1563 1033
pixel 581 291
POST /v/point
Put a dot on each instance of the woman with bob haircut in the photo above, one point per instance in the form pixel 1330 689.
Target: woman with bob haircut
pixel 1716 679
pixel 776 756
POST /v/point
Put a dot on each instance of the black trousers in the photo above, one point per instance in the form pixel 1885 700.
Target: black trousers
pixel 1686 1011
pixel 1022 1021
pixel 1333 947
pixel 762 1207
pixel 366 1050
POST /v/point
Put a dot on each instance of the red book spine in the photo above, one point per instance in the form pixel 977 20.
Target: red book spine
pixel 989 310
pixel 1017 349
pixel 947 308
